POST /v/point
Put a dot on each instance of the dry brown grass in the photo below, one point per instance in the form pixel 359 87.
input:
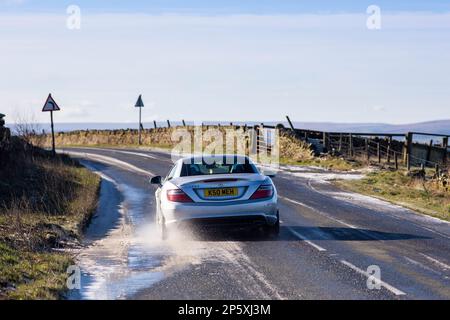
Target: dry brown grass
pixel 290 147
pixel 294 149
pixel 155 137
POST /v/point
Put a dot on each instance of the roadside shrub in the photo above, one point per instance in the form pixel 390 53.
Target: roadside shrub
pixel 293 148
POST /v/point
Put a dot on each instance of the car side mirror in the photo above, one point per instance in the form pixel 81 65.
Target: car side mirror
pixel 156 180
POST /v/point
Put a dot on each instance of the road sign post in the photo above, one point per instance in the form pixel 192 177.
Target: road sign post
pixel 50 106
pixel 140 104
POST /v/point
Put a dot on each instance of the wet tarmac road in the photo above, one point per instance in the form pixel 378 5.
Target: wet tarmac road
pixel 329 239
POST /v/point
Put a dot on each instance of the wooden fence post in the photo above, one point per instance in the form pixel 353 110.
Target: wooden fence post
pixel 154 123
pixel 388 156
pixel 430 147
pixel 408 149
pixel 350 147
pixel 396 160
pixel 445 146
pixel 184 123
pixel 326 141
pixel 168 123
pixel 379 152
pixel 368 151
pixel 405 148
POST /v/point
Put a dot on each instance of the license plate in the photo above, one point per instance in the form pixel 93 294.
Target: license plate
pixel 221 192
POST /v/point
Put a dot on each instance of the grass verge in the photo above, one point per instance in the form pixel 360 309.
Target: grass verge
pixel 329 163
pixel 399 188
pixel 45 203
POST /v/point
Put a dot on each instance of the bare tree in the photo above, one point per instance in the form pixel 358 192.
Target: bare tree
pixel 27 128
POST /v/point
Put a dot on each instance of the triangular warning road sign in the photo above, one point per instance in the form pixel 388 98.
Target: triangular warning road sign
pixel 139 102
pixel 50 105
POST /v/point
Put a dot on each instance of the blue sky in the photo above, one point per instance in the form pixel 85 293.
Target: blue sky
pixel 226 6
pixel 226 60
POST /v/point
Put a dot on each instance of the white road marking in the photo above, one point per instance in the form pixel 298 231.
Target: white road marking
pixel 108 160
pixel 131 152
pixel 353 226
pixel 312 244
pixel 311 186
pixel 387 286
pixel 100 174
pixel 421 265
pixel 318 211
pixel 431 230
pixel 144 155
pixel 437 262
pixel 391 214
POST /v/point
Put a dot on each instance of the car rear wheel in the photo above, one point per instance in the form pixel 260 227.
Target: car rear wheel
pixel 272 230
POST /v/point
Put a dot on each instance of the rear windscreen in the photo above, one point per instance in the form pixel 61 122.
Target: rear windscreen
pixel 196 169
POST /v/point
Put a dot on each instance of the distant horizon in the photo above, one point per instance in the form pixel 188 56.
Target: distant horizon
pixel 239 121
pixel 439 127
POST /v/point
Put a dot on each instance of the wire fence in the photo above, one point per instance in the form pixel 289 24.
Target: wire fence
pixel 394 150
pixel 387 152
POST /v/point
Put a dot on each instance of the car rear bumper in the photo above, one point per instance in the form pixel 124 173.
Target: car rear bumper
pixel 236 221
pixel 256 212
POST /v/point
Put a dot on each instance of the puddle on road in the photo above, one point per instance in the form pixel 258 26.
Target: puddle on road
pixel 115 266
pixel 131 257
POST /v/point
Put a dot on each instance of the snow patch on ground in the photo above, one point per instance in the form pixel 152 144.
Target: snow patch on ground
pixel 319 175
pixel 294 168
pixel 367 201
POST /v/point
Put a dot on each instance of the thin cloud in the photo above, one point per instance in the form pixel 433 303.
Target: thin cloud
pixel 236 67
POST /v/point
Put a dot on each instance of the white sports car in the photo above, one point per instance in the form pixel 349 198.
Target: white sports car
pixel 214 191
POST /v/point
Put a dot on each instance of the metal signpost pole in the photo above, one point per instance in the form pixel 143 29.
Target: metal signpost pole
pixel 53 134
pixel 50 106
pixel 140 104
pixel 140 125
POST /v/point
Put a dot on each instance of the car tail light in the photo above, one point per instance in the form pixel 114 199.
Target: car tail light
pixel 264 191
pixel 178 195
